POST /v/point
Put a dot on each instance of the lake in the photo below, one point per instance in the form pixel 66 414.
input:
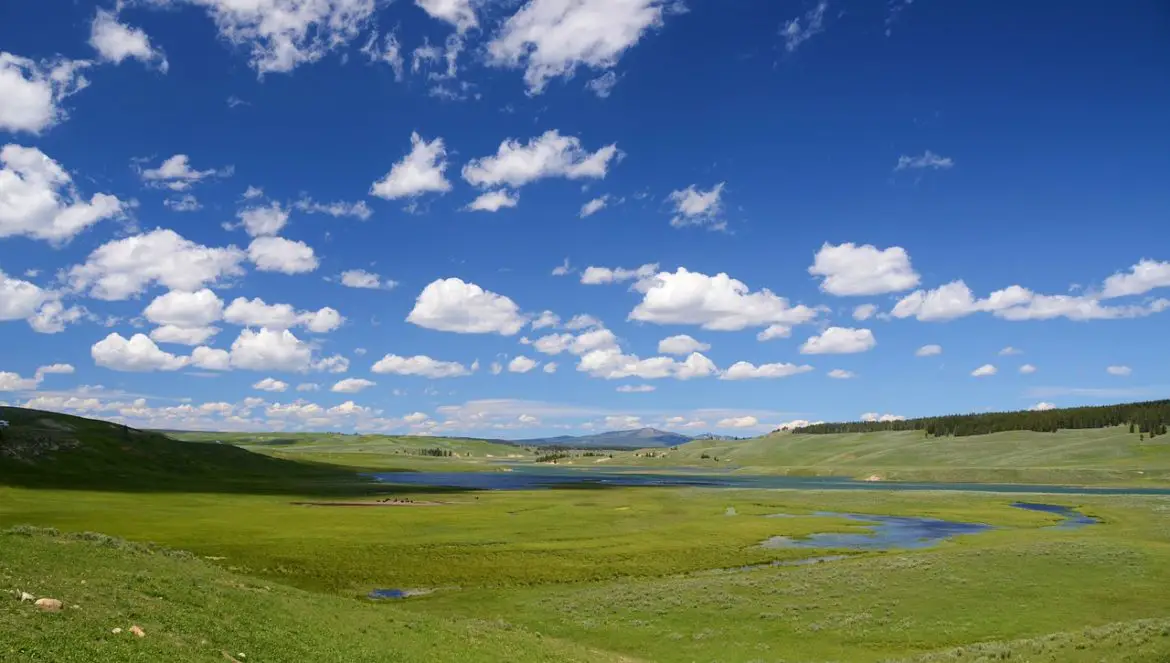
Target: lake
pixel 529 478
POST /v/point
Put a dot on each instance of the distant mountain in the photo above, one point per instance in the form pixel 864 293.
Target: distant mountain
pixel 618 439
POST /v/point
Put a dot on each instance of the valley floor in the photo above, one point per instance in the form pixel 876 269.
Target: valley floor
pixel 628 574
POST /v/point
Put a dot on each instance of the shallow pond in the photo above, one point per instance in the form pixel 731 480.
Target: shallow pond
pixel 905 532
pixel 528 478
pixel 1072 518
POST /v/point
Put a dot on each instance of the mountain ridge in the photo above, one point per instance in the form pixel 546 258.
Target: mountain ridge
pixel 635 438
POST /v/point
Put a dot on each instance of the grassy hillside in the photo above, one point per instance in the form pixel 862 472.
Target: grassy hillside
pixel 385 452
pixel 194 612
pixel 636 572
pixel 48 449
pixel 1101 455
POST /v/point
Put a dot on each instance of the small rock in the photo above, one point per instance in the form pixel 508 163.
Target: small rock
pixel 116 630
pixel 48 605
pixel 25 596
pixel 137 630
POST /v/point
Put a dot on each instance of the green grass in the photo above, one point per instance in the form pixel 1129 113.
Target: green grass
pixel 374 452
pixel 632 574
pixel 1077 457
pixel 193 611
pixel 1000 586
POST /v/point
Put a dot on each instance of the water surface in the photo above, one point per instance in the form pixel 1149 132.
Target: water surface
pixel 528 478
pixel 883 533
pixel 906 532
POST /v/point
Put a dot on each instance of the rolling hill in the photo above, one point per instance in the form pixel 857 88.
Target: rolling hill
pixel 1083 456
pixel 49 449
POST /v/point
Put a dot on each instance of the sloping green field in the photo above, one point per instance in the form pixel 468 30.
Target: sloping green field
pixel 375 452
pixel 193 611
pixel 1102 455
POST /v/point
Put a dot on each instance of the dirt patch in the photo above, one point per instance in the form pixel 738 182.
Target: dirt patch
pixel 415 503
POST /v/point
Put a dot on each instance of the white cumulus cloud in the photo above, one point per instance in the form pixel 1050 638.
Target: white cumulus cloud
pixel 456 306
pixel 549 155
pixel 185 309
pixel 681 345
pixel 742 370
pixel 553 38
pixel 773 332
pixel 270 384
pixel 136 354
pixel 714 302
pixel 985 370
pixel 39 200
pixel 521 364
pixel 421 171
pixel 175 173
pixel 115 41
pixel 848 269
pixel 839 340
pixel 351 385
pixel 875 416
pixel 263 220
pixel 494 201
pixel 265 350
pixel 360 278
pixel 694 207
pixel 1143 277
pixel 459 13
pixel 420 365
pixel 31 92
pixel 602 275
pixel 277 254
pixel 258 313
pixel 182 335
pixel 280 35
pixel 929 350
pixel 1121 371
pixel 594 206
pixel 123 268
pixel 864 312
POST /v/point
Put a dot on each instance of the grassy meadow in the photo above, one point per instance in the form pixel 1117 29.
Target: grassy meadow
pixel 217 556
pixel 1068 457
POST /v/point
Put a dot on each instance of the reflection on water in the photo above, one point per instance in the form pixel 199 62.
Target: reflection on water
pixel 529 478
pixel 884 533
pixel 904 532
pixel 1072 518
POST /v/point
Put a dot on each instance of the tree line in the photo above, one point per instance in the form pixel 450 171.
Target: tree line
pixel 1147 419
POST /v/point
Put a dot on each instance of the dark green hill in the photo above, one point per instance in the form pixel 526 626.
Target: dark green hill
pixel 48 449
pixel 1148 418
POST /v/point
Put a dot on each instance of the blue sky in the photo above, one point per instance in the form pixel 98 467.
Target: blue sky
pixel 192 190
